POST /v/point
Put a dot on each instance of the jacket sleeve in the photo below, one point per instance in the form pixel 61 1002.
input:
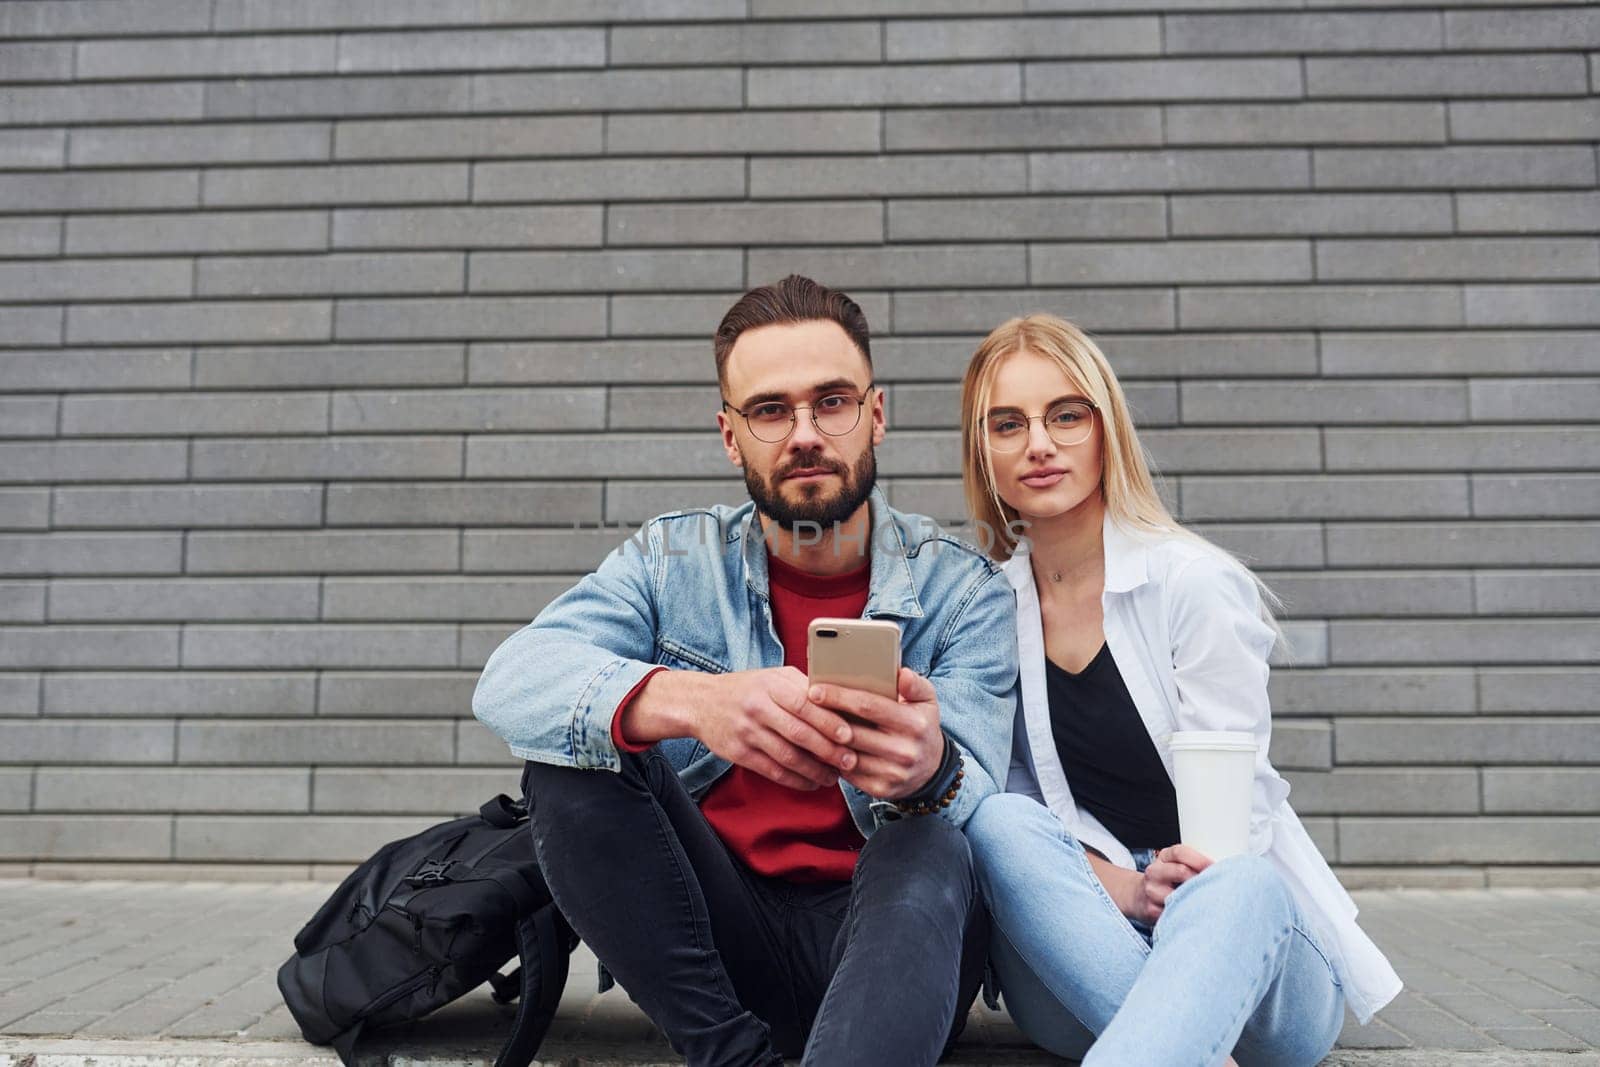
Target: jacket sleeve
pixel 1220 645
pixel 976 678
pixel 552 688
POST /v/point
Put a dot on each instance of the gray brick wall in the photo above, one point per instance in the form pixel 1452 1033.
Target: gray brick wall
pixel 337 339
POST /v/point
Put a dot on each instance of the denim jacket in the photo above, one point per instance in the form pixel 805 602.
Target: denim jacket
pixel 689 591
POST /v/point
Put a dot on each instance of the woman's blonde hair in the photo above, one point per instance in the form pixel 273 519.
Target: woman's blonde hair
pixel 1127 485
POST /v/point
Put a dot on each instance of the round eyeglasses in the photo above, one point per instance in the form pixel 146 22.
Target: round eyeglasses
pixel 773 421
pixel 1068 423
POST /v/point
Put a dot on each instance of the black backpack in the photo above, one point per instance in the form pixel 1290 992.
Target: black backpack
pixel 425 920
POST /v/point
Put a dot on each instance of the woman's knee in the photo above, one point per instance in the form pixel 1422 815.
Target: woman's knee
pixel 1252 875
pixel 1251 884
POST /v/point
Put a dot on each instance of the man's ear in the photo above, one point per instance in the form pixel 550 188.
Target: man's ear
pixel 880 421
pixel 730 443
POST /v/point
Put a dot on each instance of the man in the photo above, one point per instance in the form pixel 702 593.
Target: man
pixel 762 874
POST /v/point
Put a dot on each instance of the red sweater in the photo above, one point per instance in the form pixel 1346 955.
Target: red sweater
pixel 797 835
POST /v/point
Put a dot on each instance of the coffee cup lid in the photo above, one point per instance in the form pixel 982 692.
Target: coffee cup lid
pixel 1224 740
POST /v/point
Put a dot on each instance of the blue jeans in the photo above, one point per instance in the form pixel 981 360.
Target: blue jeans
pixel 1229 966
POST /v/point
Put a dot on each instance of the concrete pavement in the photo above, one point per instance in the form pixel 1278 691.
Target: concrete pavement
pixel 160 974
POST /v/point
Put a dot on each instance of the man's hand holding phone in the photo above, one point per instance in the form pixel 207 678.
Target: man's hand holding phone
pixel 770 727
pixel 898 742
pixel 759 720
pixel 860 715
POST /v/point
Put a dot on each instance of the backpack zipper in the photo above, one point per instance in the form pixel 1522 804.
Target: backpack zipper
pixel 429 978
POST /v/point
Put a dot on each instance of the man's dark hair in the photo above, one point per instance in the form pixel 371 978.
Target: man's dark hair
pixel 796 299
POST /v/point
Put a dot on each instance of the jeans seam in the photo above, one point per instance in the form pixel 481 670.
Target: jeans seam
pixel 1043 984
pixel 668 837
pixel 1122 922
pixel 1252 997
pixel 790 937
pixel 1333 972
pixel 851 917
pixel 1100 890
pixel 816 909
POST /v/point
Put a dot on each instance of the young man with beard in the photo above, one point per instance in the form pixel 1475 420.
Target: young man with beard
pixel 762 874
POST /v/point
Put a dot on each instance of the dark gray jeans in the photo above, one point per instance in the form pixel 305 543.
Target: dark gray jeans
pixel 736 968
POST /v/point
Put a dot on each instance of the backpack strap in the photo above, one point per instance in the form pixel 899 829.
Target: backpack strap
pixel 344 1042
pixel 544 976
pixel 991 986
pixel 507 987
pixel 504 812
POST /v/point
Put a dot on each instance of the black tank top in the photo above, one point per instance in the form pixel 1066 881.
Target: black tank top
pixel 1111 764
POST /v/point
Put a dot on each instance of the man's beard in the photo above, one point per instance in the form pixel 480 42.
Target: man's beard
pixel 815 508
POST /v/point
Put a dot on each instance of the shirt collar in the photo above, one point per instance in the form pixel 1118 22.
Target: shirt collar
pixel 1126 560
pixel 1126 554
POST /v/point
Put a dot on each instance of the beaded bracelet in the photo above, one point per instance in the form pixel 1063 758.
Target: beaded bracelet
pixel 928 807
pixel 920 803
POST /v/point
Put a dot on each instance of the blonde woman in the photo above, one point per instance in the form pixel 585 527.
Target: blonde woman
pixel 1107 932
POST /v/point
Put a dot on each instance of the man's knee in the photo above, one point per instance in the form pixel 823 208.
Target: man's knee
pixel 557 793
pixel 922 841
pixel 927 859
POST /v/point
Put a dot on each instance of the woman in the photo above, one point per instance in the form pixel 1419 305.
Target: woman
pixel 1106 930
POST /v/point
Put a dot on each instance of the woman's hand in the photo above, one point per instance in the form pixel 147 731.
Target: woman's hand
pixel 1147 895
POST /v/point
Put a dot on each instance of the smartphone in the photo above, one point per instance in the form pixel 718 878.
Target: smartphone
pixel 857 653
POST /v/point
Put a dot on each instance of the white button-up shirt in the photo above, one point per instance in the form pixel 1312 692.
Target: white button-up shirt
pixel 1184 626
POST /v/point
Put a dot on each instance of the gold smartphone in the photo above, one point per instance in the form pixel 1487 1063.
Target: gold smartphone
pixel 856 653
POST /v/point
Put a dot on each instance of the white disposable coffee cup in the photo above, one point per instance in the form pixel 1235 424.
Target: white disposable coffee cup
pixel 1213 772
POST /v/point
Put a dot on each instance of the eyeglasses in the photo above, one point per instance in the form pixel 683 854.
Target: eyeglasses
pixel 1068 423
pixel 773 421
